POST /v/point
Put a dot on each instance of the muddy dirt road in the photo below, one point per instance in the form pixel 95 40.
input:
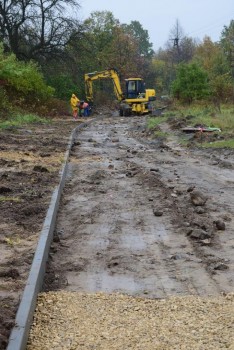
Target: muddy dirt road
pixel 143 217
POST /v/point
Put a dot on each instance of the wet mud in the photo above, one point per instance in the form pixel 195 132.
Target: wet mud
pixel 143 217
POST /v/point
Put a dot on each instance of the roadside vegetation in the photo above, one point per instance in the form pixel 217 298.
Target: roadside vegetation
pixel 197 115
pixel 220 144
pixel 152 123
pixel 208 116
pixel 20 120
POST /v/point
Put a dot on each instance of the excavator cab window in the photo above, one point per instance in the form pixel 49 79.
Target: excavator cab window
pixel 134 88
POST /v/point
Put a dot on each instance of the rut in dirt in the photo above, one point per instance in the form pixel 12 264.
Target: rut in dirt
pixel 127 222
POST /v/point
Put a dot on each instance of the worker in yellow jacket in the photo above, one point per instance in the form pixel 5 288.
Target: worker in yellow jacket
pixel 74 105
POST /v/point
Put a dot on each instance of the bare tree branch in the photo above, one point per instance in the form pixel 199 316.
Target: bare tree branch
pixel 34 28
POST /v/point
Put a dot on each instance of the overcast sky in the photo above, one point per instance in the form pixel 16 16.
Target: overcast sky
pixel 197 17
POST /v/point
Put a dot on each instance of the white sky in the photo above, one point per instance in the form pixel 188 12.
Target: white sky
pixel 197 17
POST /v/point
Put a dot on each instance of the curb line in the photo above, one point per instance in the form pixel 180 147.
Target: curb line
pixel 24 316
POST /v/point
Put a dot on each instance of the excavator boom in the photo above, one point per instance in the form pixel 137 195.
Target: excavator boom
pixel 106 74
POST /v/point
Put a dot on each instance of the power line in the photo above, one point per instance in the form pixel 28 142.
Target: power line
pixel 212 25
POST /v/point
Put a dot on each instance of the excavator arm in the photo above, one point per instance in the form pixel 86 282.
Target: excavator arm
pixel 105 74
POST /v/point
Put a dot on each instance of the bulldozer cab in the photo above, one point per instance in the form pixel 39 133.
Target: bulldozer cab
pixel 134 87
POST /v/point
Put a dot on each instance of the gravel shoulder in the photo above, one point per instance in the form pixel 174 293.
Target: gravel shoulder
pixel 115 321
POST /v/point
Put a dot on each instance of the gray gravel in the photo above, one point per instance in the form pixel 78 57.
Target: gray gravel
pixel 71 320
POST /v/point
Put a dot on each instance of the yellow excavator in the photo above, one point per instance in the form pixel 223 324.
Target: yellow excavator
pixel 135 100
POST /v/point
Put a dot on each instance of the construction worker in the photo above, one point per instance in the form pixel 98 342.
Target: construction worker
pixel 84 108
pixel 74 105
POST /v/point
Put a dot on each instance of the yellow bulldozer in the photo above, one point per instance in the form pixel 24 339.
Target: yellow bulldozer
pixel 135 100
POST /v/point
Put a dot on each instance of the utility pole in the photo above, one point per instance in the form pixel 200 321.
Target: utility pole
pixel 176 41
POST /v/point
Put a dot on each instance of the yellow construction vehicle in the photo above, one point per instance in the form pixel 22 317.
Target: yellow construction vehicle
pixel 135 100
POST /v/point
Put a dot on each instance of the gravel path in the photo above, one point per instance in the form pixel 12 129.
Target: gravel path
pixel 115 321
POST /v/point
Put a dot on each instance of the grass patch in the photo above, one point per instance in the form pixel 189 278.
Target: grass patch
pixel 210 117
pixel 184 140
pixel 20 120
pixel 154 121
pixel 161 134
pixel 169 114
pixel 219 144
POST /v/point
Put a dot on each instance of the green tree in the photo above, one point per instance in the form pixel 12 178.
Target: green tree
pixel 162 76
pixel 141 36
pixel 227 42
pixel 191 83
pixel 165 68
pixel 213 59
pixel 122 52
pixel 99 34
pixel 205 53
pixel 124 55
pixel 63 84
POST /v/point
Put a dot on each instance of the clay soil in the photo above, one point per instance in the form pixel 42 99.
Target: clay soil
pixel 30 160
pixel 139 216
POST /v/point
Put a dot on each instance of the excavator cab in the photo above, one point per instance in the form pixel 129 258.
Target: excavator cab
pixel 134 88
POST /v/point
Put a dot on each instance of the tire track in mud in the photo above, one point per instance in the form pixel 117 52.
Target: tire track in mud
pixel 123 226
pixel 184 169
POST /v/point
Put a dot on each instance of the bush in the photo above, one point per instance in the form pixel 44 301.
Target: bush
pixel 191 83
pixel 22 85
pixel 22 77
pixel 54 108
pixel 5 105
pixel 64 86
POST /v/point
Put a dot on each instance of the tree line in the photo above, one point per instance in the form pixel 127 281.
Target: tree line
pixel 47 37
